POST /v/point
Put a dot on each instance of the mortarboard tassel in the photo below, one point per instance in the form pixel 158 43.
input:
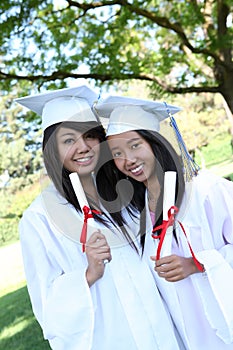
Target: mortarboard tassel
pixel 190 167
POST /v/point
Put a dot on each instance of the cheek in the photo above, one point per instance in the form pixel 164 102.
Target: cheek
pixel 119 164
pixel 152 160
pixel 94 144
pixel 63 153
pixel 96 148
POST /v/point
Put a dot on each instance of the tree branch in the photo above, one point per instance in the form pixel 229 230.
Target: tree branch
pixel 160 21
pixel 85 7
pixel 175 27
pixel 108 77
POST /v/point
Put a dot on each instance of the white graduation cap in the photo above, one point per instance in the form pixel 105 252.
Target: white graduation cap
pixel 69 104
pixel 126 113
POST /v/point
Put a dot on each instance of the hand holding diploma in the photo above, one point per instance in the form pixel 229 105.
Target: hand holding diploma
pixel 172 267
pixel 97 250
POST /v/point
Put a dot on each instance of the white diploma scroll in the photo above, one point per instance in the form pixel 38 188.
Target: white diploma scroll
pixel 80 194
pixel 168 202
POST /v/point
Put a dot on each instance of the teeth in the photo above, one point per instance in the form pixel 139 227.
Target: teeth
pixel 82 160
pixel 135 170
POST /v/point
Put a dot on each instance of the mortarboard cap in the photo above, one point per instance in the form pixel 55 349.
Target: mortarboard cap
pixel 126 113
pixel 70 104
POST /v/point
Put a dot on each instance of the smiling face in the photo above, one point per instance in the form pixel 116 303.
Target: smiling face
pixel 78 152
pixel 133 155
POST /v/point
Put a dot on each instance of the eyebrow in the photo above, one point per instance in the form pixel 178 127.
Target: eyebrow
pixel 67 134
pixel 128 142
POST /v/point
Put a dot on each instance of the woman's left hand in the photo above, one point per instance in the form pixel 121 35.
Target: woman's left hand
pixel 174 268
pixel 98 252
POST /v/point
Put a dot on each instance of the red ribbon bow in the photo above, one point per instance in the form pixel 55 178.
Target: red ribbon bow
pixel 165 224
pixel 170 222
pixel 87 212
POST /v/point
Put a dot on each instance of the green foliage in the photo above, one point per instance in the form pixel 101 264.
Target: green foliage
pixel 202 120
pixel 8 229
pixel 216 152
pixel 12 207
pixel 16 137
pixel 182 46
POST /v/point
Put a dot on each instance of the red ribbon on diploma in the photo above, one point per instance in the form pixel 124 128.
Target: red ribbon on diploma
pixel 170 222
pixel 87 215
pixel 165 224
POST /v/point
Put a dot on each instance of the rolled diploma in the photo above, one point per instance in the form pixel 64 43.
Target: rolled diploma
pixel 80 194
pixel 168 202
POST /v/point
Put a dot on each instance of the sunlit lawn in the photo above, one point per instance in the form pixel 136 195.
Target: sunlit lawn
pixel 18 327
pixel 217 157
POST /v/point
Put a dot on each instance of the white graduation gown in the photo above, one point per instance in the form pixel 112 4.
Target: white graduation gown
pixel 122 310
pixel 202 304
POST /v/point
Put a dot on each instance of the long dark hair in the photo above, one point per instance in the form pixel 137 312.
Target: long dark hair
pixel 60 175
pixel 166 160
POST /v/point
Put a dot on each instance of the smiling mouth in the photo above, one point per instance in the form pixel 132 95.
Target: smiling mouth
pixel 136 170
pixel 83 160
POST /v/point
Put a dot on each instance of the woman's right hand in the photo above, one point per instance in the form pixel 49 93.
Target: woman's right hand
pixel 97 252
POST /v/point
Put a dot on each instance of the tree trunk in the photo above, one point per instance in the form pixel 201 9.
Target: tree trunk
pixel 224 74
pixel 227 90
pixel 230 118
pixel 224 71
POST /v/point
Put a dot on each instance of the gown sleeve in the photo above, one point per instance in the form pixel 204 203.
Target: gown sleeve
pixel 216 284
pixel 60 296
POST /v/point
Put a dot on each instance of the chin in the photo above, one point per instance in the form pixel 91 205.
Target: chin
pixel 85 173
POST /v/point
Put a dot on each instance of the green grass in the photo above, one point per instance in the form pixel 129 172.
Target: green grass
pixel 217 156
pixel 18 328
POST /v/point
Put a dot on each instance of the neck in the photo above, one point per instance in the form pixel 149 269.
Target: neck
pixel 153 188
pixel 89 187
pixel 87 182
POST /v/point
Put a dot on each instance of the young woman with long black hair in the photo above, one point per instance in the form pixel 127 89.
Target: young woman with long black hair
pixel 89 287
pixel 190 244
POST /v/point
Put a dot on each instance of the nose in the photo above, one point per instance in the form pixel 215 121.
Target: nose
pixel 130 159
pixel 81 145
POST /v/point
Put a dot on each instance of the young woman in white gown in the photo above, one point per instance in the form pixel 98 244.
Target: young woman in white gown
pixel 87 292
pixel 195 273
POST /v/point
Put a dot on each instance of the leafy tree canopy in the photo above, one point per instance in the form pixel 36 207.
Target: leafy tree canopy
pixel 20 147
pixel 179 46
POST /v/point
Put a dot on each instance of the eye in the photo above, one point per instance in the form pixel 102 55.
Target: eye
pixel 135 145
pixel 89 136
pixel 69 141
pixel 116 154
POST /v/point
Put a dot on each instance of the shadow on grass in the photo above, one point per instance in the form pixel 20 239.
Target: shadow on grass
pixel 18 328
